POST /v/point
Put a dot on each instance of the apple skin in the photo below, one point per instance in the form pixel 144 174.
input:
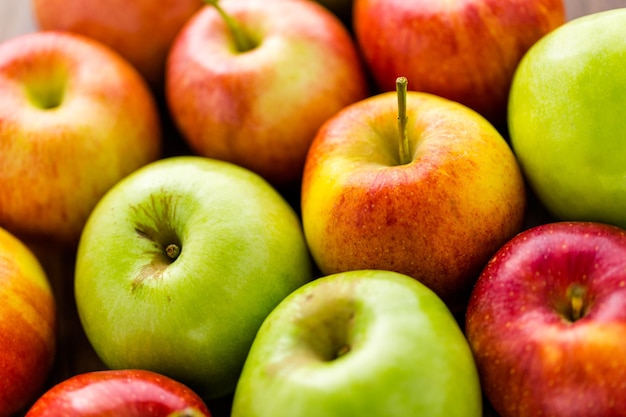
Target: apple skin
pixel 120 393
pixel 566 119
pixel 192 318
pixel 74 119
pixel 359 343
pixel 438 218
pixel 463 50
pixel 27 325
pixel 141 31
pixel 533 358
pixel 264 109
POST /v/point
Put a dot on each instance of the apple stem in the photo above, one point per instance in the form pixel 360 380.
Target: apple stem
pixel 343 350
pixel 576 295
pixel 172 251
pixel 401 90
pixel 243 42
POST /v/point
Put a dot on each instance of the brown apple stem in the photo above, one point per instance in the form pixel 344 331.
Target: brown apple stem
pixel 401 89
pixel 243 42
pixel 172 251
pixel 576 295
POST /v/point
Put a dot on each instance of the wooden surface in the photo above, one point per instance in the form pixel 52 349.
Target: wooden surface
pixel 75 354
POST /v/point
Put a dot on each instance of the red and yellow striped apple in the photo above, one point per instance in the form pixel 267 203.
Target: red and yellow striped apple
pixel 27 325
pixel 433 200
pixel 258 99
pixel 74 119
pixel 463 50
pixel 141 31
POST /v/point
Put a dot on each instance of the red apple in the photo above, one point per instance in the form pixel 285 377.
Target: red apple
pixel 140 30
pixel 255 94
pixel 463 50
pixel 27 325
pixel 74 119
pixel 547 322
pixel 119 393
pixel 436 207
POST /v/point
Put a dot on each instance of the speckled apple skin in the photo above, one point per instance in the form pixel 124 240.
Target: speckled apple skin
pixel 438 218
pixel 532 359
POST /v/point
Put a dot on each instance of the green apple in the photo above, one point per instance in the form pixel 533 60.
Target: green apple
pixel 359 343
pixel 179 264
pixel 435 208
pixel 566 118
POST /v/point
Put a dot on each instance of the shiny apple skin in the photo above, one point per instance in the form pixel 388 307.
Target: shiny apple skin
pixel 261 108
pixel 438 218
pixel 463 50
pixel 27 325
pixel 117 393
pixel 532 357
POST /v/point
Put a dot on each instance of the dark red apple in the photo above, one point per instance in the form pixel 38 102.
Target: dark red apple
pixel 547 322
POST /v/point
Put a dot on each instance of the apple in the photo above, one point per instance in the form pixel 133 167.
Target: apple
pixel 122 393
pixel 141 30
pixel 74 119
pixel 566 119
pixel 362 342
pixel 179 264
pixel 547 321
pixel 433 199
pixel 463 50
pixel 27 325
pixel 250 82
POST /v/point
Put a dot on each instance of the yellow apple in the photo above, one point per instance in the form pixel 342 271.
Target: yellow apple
pixel 437 213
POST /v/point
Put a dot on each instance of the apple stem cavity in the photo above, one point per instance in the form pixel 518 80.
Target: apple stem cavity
pixel 576 295
pixel 401 90
pixel 172 251
pixel 243 42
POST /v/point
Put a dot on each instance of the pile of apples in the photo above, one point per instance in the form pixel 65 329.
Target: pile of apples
pixel 314 208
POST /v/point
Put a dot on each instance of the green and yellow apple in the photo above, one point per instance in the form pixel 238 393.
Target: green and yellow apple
pixel 433 200
pixel 27 325
pixel 141 31
pixel 463 50
pixel 360 343
pixel 250 82
pixel 75 118
pixel 179 264
pixel 547 322
pixel 119 393
pixel 566 118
